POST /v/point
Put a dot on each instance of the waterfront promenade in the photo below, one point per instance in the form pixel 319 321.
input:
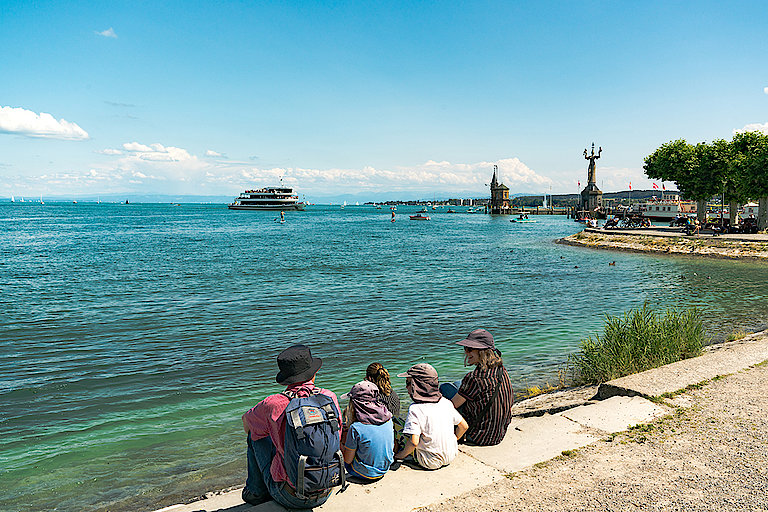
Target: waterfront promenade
pixel 687 435
pixel 671 232
pixel 673 241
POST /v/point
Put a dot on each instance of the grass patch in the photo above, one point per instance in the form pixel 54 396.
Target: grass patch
pixel 639 340
pixel 691 387
pixel 532 391
pixel 736 335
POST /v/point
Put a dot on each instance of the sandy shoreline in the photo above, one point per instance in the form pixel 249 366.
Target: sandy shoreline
pixel 663 241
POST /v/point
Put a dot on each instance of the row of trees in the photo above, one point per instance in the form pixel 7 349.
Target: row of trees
pixel 738 169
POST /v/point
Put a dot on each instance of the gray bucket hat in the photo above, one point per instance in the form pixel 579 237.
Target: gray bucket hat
pixel 425 382
pixel 479 339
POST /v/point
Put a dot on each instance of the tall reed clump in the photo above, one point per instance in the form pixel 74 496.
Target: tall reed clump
pixel 639 340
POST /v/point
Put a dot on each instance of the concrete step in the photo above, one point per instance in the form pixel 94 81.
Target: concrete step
pixel 676 376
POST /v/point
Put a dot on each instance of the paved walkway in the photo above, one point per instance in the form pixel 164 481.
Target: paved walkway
pixel 530 440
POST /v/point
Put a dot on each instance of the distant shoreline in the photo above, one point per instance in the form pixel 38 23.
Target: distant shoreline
pixel 661 242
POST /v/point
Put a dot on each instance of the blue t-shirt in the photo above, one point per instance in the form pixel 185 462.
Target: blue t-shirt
pixel 375 448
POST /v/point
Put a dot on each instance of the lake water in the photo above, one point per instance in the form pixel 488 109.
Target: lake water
pixel 135 336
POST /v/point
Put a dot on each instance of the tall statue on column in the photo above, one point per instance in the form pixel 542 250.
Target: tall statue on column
pixel 591 171
pixel 591 196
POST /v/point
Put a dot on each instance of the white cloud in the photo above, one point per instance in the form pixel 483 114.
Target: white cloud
pixel 765 90
pixel 157 152
pixel 753 127
pixel 135 146
pixel 156 168
pixel 212 153
pixel 110 32
pixel 431 177
pixel 26 122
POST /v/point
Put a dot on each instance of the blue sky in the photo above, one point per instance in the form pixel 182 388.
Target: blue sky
pixel 383 100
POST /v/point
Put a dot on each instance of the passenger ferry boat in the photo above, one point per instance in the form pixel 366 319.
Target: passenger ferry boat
pixel 665 209
pixel 268 198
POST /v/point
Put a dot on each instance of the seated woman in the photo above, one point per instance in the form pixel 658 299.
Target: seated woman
pixel 370 443
pixel 379 375
pixel 484 396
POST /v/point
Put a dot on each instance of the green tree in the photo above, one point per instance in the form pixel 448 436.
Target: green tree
pixel 678 161
pixel 713 174
pixel 750 167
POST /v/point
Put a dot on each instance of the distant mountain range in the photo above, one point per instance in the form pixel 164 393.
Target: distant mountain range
pixel 526 199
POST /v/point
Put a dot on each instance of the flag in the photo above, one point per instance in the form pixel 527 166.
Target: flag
pixel 662 186
pixel 655 186
pixel 630 185
pixel 579 183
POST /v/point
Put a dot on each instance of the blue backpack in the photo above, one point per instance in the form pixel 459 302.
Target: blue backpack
pixel 312 458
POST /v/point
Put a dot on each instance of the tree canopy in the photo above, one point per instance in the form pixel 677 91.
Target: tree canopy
pixel 738 168
pixel 749 163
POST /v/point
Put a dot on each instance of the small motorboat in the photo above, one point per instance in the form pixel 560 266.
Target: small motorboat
pixel 419 216
pixel 451 210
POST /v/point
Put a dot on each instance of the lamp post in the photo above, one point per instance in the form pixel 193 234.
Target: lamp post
pixel 722 208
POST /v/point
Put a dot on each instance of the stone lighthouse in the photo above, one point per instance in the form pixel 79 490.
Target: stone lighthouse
pixel 499 194
pixel 591 196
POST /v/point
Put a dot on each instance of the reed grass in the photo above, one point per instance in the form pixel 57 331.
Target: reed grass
pixel 639 340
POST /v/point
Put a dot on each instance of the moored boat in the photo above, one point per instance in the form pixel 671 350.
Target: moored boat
pixel 665 209
pixel 419 216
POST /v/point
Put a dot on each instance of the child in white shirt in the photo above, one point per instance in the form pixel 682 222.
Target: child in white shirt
pixel 433 426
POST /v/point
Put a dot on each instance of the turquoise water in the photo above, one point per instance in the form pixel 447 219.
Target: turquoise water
pixel 134 336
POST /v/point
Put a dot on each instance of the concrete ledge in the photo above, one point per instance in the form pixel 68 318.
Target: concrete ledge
pixel 616 414
pixel 532 440
pixel 676 376
pixel 401 490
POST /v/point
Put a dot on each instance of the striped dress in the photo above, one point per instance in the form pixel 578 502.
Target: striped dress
pixel 477 388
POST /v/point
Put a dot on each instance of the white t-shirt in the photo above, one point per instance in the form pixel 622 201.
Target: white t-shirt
pixel 434 423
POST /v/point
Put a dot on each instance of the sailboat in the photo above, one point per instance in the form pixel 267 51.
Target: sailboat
pixel 344 205
pixel 13 200
pixel 41 199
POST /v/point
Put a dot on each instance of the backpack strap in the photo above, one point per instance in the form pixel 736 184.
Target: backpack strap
pixel 300 477
pixel 331 417
pixel 298 425
pixel 342 471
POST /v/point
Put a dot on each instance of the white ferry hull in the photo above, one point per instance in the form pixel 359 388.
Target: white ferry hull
pixel 286 208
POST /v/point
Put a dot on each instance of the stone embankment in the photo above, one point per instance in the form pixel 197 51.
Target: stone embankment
pixel 660 240
pixel 662 439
